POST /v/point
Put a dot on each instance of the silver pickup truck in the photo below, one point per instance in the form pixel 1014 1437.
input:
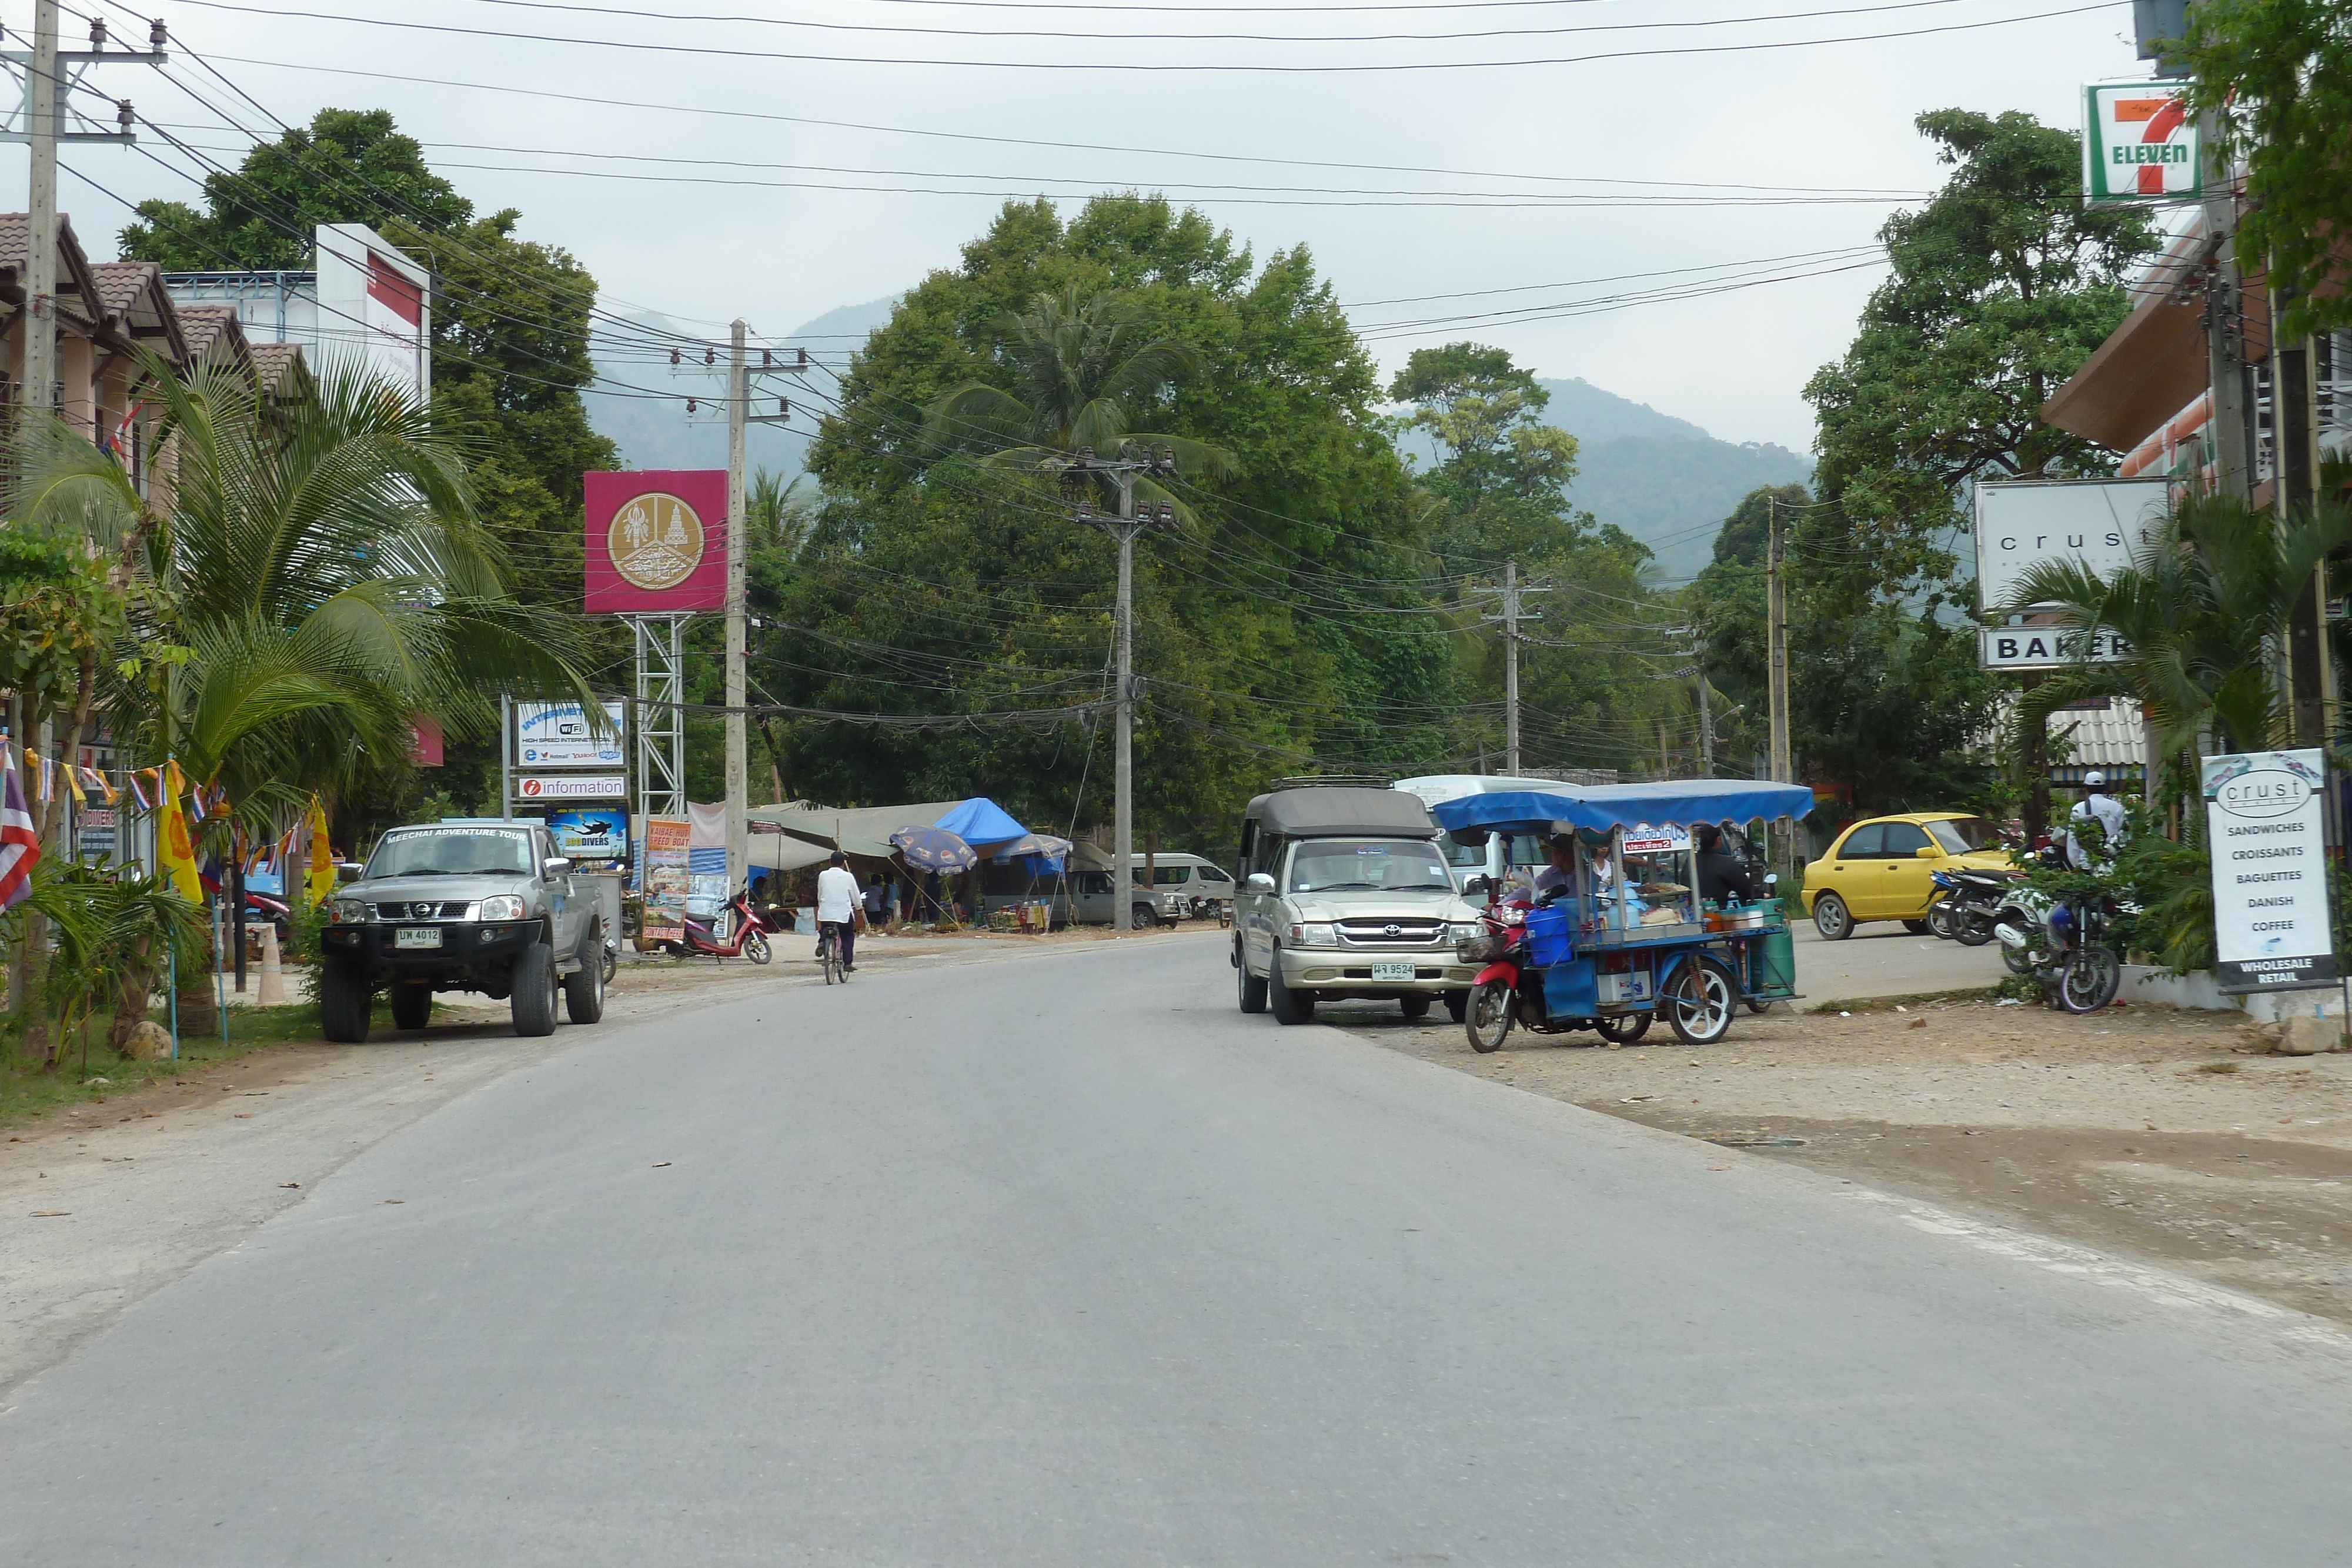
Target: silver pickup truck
pixel 1344 894
pixel 484 907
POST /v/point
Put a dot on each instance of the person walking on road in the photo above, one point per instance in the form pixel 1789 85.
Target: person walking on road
pixel 836 908
pixel 2097 806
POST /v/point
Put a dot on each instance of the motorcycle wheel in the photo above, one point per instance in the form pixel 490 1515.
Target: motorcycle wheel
pixel 612 962
pixel 755 946
pixel 1701 1003
pixel 2090 980
pixel 2019 960
pixel 1624 1028
pixel 1971 930
pixel 1942 920
pixel 1488 1016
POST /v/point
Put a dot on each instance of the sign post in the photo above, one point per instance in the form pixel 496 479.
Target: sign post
pixel 2265 817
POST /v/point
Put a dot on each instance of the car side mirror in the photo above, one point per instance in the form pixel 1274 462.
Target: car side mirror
pixel 1926 852
pixel 555 865
pixel 1476 886
pixel 1258 882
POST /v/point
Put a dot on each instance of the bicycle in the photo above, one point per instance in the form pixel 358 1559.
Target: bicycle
pixel 828 953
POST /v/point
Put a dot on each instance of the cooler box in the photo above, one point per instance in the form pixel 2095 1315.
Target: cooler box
pixel 1550 937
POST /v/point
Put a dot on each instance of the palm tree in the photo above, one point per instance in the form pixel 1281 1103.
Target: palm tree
pixel 307 573
pixel 2203 606
pixel 1081 375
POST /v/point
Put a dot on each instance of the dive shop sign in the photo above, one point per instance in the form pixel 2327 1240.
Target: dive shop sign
pixel 2264 814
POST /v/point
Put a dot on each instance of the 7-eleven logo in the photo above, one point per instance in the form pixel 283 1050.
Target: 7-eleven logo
pixel 2139 144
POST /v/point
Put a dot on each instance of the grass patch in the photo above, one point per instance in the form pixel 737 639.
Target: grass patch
pixel 1917 999
pixel 28 1092
pixel 2217 1067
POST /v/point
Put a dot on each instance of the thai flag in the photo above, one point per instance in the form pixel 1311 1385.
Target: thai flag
pixel 19 845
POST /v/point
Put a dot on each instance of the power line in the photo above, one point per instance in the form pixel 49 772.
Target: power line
pixel 1160 67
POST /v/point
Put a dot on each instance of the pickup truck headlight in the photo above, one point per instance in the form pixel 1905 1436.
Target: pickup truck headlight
pixel 347 911
pixel 499 906
pixel 1459 932
pixel 1313 934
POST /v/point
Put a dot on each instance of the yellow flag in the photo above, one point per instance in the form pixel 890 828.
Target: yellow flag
pixel 321 880
pixel 171 841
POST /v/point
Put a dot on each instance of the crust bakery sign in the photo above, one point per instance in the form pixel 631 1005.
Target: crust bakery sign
pixel 657 541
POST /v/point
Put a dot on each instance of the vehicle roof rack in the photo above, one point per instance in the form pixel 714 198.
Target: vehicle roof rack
pixel 1334 781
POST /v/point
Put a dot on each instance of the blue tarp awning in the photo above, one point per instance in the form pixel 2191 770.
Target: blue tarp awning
pixel 1601 807
pixel 982 823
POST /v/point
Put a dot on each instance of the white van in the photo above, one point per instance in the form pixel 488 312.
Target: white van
pixel 1527 852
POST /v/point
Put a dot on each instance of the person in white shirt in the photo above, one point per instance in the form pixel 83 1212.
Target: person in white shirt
pixel 837 907
pixel 2097 806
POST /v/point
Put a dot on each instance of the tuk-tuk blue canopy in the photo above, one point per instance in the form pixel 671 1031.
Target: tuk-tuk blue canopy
pixel 1601 807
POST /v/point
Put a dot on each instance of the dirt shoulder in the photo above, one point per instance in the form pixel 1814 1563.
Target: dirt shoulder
pixel 2144 1131
pixel 104 1202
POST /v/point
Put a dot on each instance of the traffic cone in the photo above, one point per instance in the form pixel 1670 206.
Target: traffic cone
pixel 273 978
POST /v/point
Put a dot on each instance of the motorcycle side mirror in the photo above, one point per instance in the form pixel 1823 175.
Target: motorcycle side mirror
pixel 1258 882
pixel 1771 879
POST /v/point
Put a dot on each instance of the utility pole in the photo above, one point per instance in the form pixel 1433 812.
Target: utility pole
pixel 739 840
pixel 1775 644
pixel 1706 716
pixel 1513 614
pixel 1125 525
pixel 41 131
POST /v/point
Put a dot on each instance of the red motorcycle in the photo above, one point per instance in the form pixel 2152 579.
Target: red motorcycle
pixel 1509 989
pixel 748 938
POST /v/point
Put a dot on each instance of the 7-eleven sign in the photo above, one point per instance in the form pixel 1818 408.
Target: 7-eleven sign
pixel 2140 143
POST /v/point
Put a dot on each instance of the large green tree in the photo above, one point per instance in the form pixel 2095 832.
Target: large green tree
pixel 1591 684
pixel 2279 73
pixel 1999 287
pixel 1283 628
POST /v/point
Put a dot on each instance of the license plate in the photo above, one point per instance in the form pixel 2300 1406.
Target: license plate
pixel 417 936
pixel 1395 969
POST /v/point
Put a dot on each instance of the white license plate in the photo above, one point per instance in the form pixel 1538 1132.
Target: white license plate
pixel 1393 969
pixel 415 936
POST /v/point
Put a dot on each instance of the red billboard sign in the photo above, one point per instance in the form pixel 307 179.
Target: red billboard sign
pixel 657 541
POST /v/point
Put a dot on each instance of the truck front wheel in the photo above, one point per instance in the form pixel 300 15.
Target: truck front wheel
pixel 534 998
pixel 343 1001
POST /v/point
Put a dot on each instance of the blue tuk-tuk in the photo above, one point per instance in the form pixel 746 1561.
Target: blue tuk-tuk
pixel 1624 935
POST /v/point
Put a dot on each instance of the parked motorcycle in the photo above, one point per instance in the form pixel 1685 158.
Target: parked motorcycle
pixel 748 938
pixel 612 957
pixel 1507 990
pixel 1967 903
pixel 2063 943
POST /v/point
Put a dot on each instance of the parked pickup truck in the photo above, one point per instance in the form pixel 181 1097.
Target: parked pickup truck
pixel 1346 895
pixel 476 905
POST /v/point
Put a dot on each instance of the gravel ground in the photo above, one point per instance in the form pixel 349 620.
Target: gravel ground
pixel 2140 1130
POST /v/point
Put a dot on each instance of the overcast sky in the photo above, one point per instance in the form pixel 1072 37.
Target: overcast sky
pixel 1834 117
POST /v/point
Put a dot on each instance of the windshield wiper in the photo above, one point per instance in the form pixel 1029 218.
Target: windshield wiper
pixel 1341 887
pixel 421 871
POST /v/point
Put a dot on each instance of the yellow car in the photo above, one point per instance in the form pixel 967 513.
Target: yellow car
pixel 1879 868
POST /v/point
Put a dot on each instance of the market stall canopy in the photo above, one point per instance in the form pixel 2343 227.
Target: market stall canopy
pixel 934 848
pixel 861 830
pixel 982 823
pixel 1601 807
pixel 782 851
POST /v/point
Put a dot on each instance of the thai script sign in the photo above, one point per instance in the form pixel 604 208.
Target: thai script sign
pixel 2263 812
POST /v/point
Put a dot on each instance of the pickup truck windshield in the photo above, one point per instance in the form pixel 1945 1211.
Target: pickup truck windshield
pixel 1378 865
pixel 443 851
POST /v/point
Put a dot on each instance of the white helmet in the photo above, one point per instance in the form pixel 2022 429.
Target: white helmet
pixel 2094 779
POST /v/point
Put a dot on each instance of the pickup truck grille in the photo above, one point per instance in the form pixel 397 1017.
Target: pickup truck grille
pixel 424 909
pixel 1411 933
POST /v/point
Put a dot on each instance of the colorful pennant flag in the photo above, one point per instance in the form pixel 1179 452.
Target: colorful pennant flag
pixel 20 847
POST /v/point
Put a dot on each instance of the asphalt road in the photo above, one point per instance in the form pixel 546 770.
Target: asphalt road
pixel 1882 960
pixel 1061 1260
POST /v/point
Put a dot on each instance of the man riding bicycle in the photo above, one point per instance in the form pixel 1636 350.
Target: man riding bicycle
pixel 836 908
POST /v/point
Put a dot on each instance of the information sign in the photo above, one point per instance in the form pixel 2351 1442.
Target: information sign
pixel 2263 813
pixel 573 787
